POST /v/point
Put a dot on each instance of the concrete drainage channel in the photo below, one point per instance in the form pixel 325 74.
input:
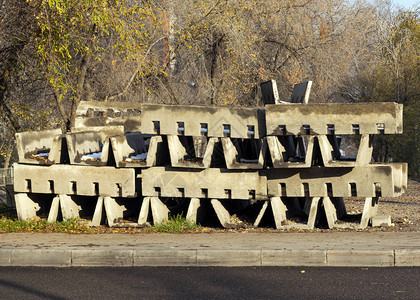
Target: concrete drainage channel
pixel 123 162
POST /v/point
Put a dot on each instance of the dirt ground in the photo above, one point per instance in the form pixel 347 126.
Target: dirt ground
pixel 404 210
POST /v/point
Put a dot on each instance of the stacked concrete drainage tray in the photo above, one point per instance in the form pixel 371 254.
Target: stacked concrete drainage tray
pixel 128 164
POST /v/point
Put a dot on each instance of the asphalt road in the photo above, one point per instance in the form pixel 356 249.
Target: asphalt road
pixel 209 283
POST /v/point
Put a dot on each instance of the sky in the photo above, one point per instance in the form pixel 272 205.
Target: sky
pixel 407 3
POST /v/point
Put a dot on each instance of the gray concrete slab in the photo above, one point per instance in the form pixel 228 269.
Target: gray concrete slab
pixel 345 118
pixel 74 180
pixel 165 257
pixel 407 258
pixel 207 183
pixel 102 257
pixel 30 143
pixel 294 258
pixel 190 120
pixel 357 258
pixel 5 257
pixel 337 182
pixel 41 257
pixel 228 257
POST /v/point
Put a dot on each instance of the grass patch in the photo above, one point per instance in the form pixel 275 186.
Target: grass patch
pixel 175 224
pixel 40 225
pixel 10 223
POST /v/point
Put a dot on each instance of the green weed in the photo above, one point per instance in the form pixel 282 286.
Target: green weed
pixel 175 224
pixel 42 225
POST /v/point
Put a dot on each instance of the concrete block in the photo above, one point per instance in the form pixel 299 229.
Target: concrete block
pixel 79 144
pixel 294 258
pixel 279 211
pixel 100 257
pixel 407 258
pixel 312 203
pixel 208 183
pixel 128 123
pixel 41 257
pixel 127 146
pixel 5 257
pixel 347 118
pixel 364 153
pixel 75 180
pixel 261 214
pixel 69 208
pixel 301 91
pixel 114 212
pixel 270 93
pixel 165 257
pixel 221 212
pixel 228 258
pixel 381 221
pixel 26 208
pixel 232 122
pixel 235 159
pixel 278 153
pixel 119 210
pixel 157 154
pixel 144 211
pixel 193 209
pixel 100 106
pixel 98 214
pixel 182 158
pixel 105 131
pixel 159 210
pixel 336 182
pixel 125 114
pixel 55 207
pixel 360 258
pixel 30 205
pixel 369 210
pixel 31 143
pixel 330 212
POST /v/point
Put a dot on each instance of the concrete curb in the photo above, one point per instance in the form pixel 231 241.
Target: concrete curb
pixel 207 257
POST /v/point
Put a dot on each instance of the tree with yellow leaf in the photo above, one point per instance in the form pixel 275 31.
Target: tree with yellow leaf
pixel 74 36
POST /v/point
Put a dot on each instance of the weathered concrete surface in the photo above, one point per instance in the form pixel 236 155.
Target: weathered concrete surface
pixel 102 257
pixel 87 142
pixel 356 258
pixel 370 118
pixel 75 180
pixel 338 182
pixel 278 154
pixel 291 257
pixel 130 124
pixel 85 106
pixel 32 142
pixel 364 153
pixel 126 146
pixel 207 183
pixel 233 159
pixel 41 257
pixel 189 120
pixel 178 154
pixel 96 113
pixel 407 258
pixel 381 221
pixel 359 249
pixel 301 92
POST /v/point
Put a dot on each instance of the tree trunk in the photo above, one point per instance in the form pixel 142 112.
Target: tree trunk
pixel 79 90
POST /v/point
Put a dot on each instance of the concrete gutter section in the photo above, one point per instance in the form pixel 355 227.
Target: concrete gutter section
pixel 348 249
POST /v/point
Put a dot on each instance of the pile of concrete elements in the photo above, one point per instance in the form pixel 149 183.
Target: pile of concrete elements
pixel 126 164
